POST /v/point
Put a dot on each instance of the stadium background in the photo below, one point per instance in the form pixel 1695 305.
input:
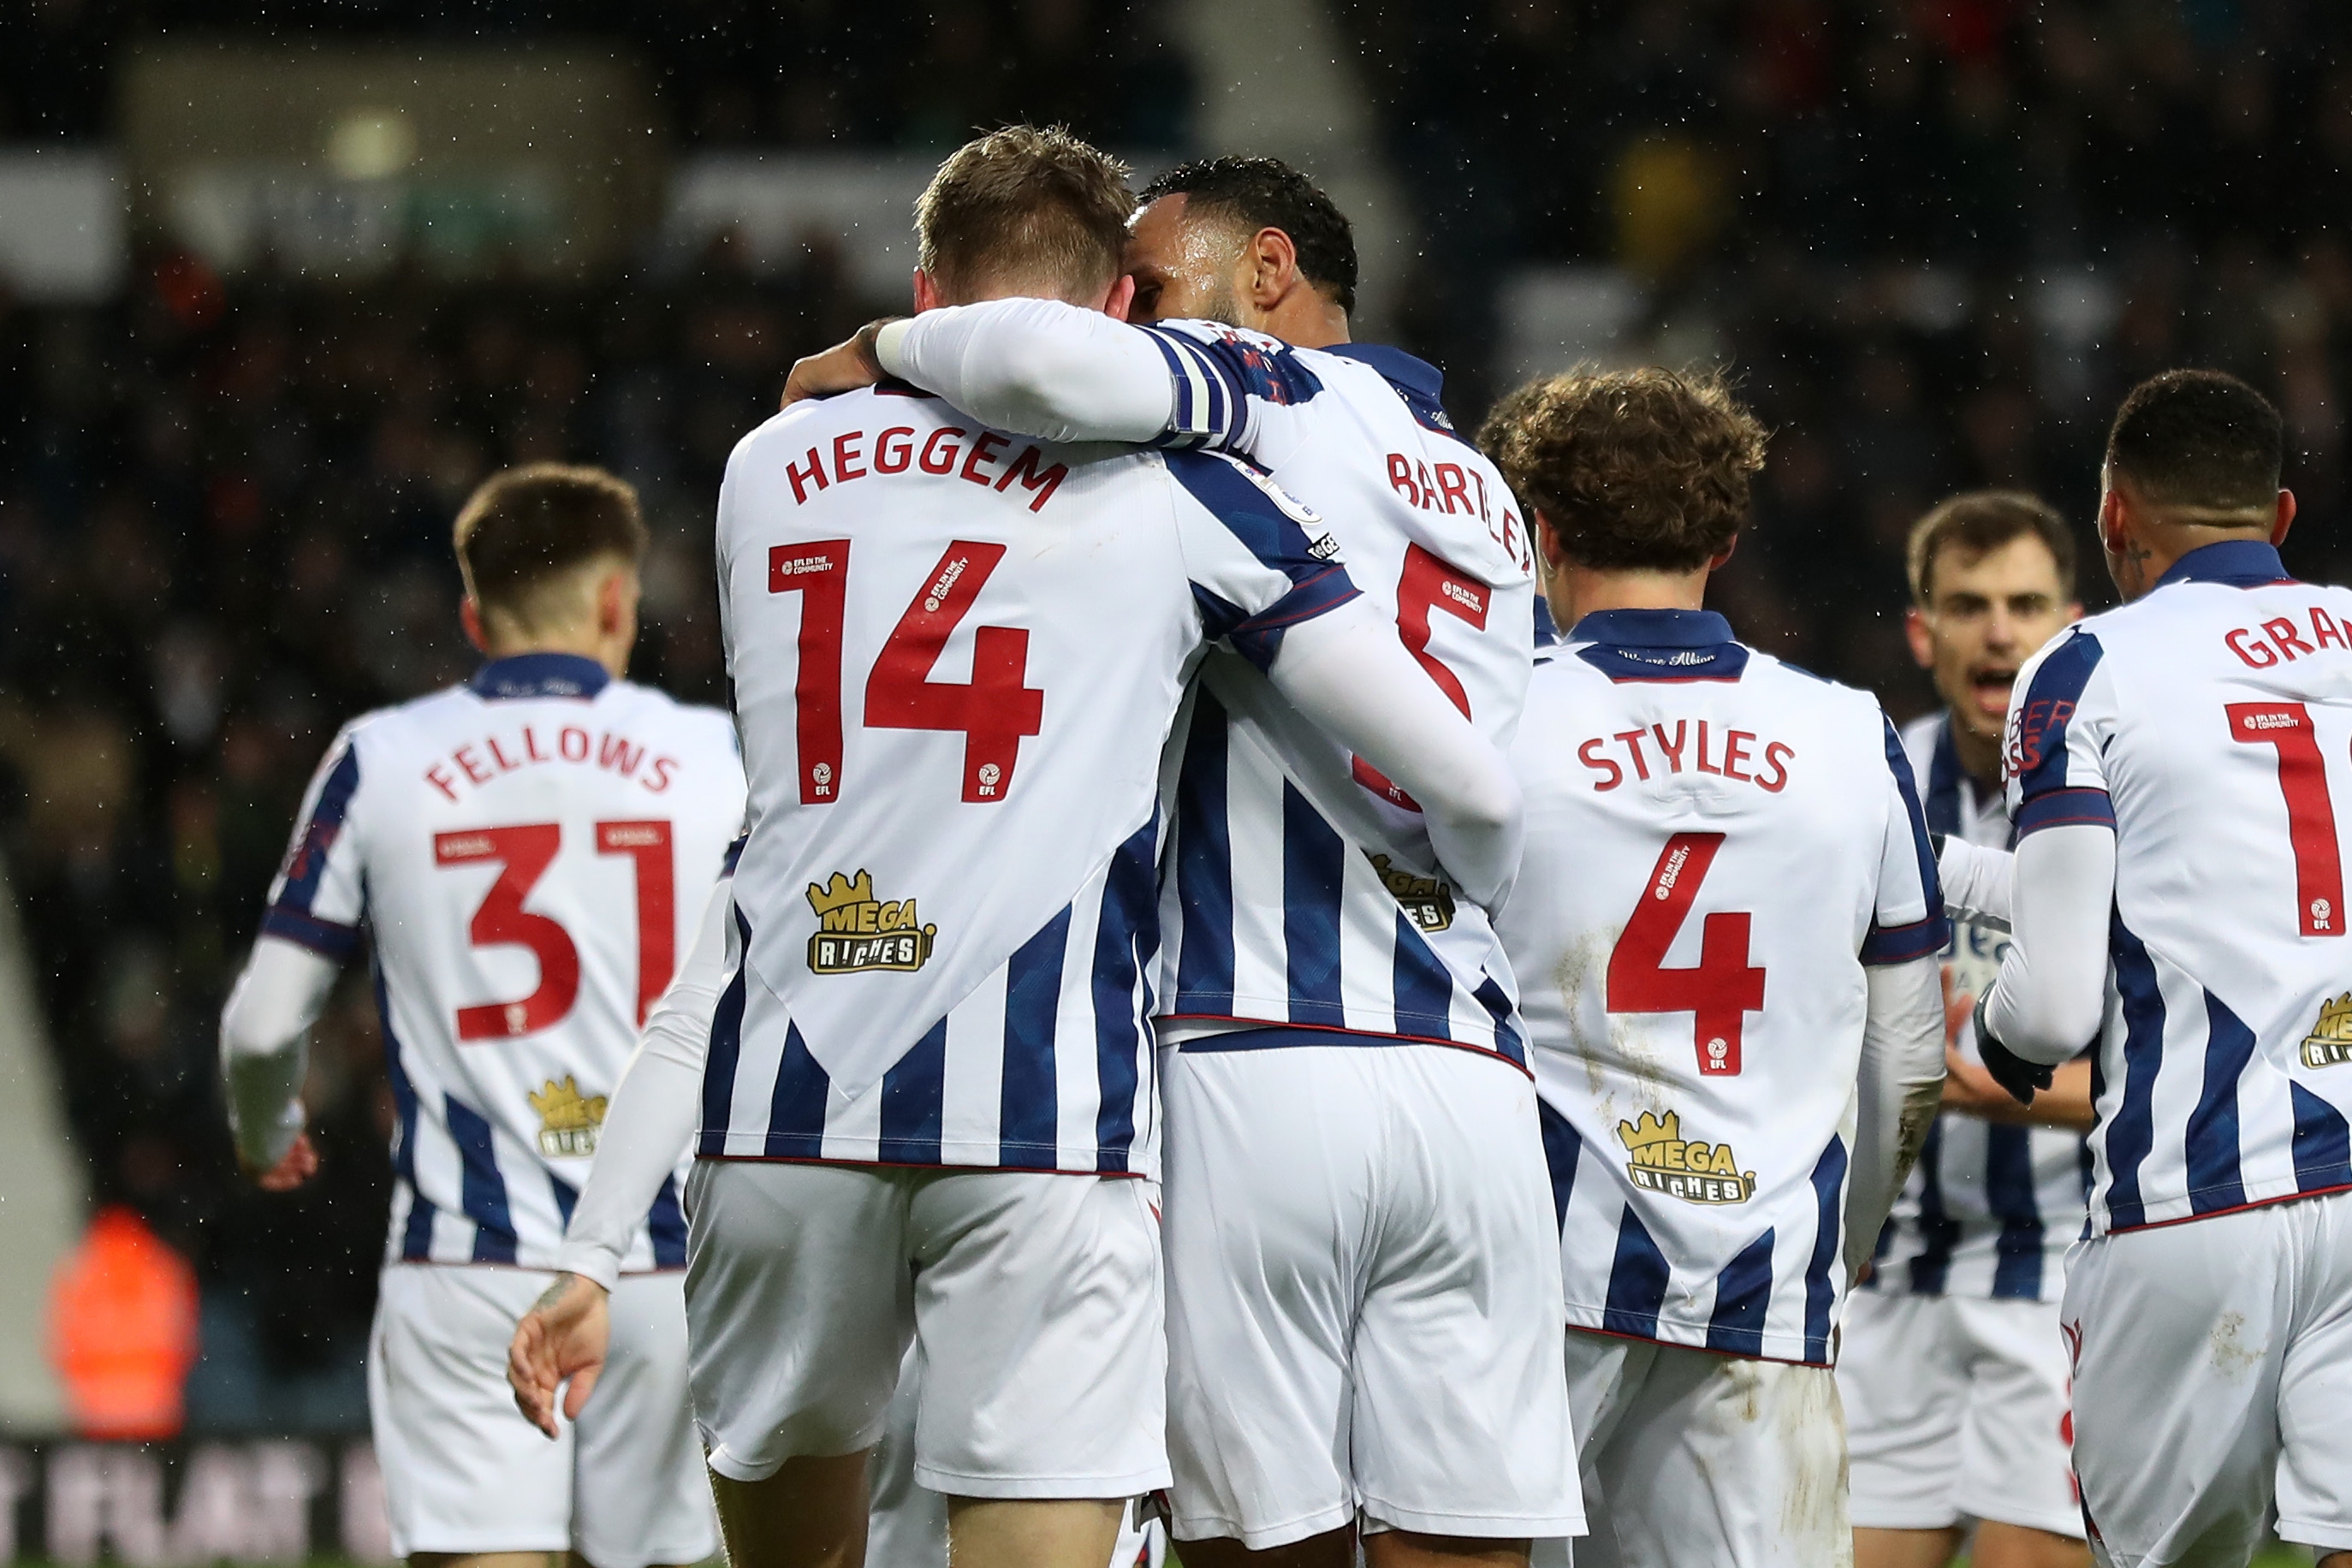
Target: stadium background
pixel 275 293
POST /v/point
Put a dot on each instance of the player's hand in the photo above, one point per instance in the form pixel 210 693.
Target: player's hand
pixel 845 367
pixel 296 1166
pixel 1958 1006
pixel 562 1339
pixel 2012 1072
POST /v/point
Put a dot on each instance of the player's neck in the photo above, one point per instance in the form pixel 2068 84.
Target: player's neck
pixel 1980 755
pixel 1305 320
pixel 584 644
pixel 1575 592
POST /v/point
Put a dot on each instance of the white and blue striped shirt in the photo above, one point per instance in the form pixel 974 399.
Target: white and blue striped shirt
pixel 1300 888
pixel 532 851
pixel 2208 724
pixel 957 655
pixel 1990 1209
pixel 1717 845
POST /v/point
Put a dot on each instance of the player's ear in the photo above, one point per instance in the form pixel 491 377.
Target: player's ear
pixel 2285 518
pixel 927 293
pixel 1272 264
pixel 1923 647
pixel 469 615
pixel 1119 304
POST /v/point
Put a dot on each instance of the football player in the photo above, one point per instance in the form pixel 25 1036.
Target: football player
pixel 2174 766
pixel 1951 1367
pixel 531 851
pixel 1730 923
pixel 929 1085
pixel 1363 1330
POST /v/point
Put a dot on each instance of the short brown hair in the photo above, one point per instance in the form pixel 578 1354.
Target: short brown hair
pixel 1975 523
pixel 1635 470
pixel 528 527
pixel 1027 206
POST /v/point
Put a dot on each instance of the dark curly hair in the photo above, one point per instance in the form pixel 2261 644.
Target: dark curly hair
pixel 1267 192
pixel 2199 440
pixel 1634 469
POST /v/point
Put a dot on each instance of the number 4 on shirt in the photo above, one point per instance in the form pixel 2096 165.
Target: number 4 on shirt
pixel 1721 990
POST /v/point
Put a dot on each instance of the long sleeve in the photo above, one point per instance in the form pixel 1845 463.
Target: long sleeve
pixel 279 996
pixel 1346 671
pixel 651 1118
pixel 2052 994
pixel 1976 882
pixel 1900 1081
pixel 1036 367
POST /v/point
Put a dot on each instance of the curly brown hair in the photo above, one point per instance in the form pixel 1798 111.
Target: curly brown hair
pixel 1634 469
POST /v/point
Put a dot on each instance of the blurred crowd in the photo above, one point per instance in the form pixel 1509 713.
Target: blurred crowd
pixel 802 73
pixel 1935 243
pixel 224 517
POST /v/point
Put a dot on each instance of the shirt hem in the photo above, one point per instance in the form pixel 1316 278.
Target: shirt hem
pixel 950 1167
pixel 1698 1342
pixel 1401 1037
pixel 2267 1200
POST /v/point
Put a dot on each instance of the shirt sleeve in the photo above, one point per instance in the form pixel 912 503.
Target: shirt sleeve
pixel 2057 723
pixel 1258 559
pixel 1222 376
pixel 1908 920
pixel 320 897
pixel 1036 367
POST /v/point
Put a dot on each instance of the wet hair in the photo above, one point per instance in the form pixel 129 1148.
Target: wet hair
pixel 1028 207
pixel 1635 470
pixel 1974 524
pixel 2199 441
pixel 1267 192
pixel 529 528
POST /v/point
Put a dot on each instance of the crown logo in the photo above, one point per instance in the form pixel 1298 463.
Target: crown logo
pixel 2330 1041
pixel 857 930
pixel 1662 1160
pixel 839 892
pixel 1650 1131
pixel 568 1120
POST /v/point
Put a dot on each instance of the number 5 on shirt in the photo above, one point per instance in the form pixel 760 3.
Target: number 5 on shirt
pixel 1721 990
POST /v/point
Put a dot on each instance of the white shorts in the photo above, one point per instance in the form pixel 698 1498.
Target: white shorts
pixel 463 1472
pixel 1032 1300
pixel 907 1525
pixel 2213 1371
pixel 1364 1310
pixel 1693 1458
pixel 1956 1408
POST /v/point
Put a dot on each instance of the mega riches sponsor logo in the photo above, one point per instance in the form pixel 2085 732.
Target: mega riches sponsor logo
pixel 1663 1161
pixel 2329 1044
pixel 857 930
pixel 568 1120
pixel 1426 901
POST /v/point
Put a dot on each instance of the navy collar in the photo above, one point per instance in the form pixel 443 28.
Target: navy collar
pixel 2238 562
pixel 1942 806
pixel 1652 628
pixel 540 674
pixel 1396 365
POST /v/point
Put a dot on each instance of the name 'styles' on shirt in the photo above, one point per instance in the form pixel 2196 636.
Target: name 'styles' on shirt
pixel 1718 844
pixel 532 851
